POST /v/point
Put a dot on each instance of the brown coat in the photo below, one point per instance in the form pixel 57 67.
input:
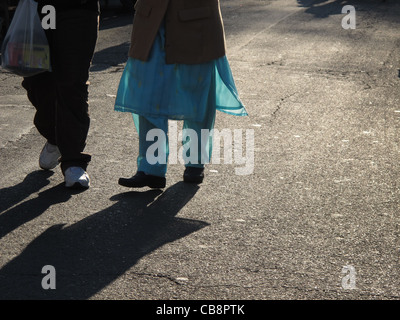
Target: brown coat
pixel 194 30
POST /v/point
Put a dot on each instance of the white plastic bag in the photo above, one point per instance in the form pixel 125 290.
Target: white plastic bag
pixel 25 50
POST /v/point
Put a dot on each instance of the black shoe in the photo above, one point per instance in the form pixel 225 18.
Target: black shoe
pixel 193 175
pixel 140 180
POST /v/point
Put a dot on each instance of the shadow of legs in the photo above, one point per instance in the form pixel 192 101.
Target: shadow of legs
pixel 32 183
pixel 30 209
pixel 94 252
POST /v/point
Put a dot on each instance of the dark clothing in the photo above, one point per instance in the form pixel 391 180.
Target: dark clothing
pixel 61 96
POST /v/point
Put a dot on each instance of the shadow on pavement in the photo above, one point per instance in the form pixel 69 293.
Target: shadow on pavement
pixel 95 251
pixel 32 183
pixel 326 8
pixel 111 56
pixel 115 17
pixel 112 17
pixel 33 208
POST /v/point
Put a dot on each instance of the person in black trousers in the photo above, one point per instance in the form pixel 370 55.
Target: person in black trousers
pixel 61 96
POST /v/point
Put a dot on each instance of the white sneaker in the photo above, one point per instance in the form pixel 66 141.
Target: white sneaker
pixel 49 156
pixel 76 177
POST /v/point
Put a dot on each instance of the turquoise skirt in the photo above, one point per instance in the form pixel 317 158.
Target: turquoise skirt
pixel 155 89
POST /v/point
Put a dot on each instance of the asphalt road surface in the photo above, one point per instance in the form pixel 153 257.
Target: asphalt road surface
pixel 315 216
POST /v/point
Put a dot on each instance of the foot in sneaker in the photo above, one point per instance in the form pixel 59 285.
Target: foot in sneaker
pixel 49 156
pixel 76 177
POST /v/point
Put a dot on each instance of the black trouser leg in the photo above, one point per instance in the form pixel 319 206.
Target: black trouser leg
pixel 41 91
pixel 73 43
pixel 61 99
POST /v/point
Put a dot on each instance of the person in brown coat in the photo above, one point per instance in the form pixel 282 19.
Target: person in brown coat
pixel 177 70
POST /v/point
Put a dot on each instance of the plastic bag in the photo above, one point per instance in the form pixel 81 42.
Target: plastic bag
pixel 25 50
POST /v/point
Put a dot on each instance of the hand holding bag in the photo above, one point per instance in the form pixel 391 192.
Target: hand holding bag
pixel 25 50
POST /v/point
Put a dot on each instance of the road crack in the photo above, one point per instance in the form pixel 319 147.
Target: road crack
pixel 279 104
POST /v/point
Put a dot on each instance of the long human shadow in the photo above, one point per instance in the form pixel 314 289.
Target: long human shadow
pixel 93 252
pixel 33 208
pixel 32 183
pixel 15 212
